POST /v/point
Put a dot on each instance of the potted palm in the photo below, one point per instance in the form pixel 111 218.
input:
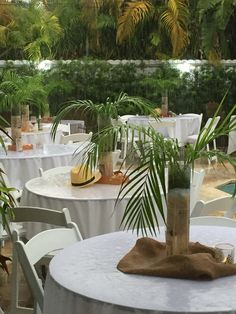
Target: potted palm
pixel 104 113
pixel 150 198
pixel 141 211
pixel 161 82
pixel 7 202
pixel 16 93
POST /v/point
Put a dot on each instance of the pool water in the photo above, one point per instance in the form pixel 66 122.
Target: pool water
pixel 227 188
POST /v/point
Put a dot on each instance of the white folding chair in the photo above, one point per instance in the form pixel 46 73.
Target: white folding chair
pixel 225 205
pixel 193 138
pixel 197 180
pixel 41 215
pixel 232 138
pixel 28 254
pixel 76 137
pixel 213 221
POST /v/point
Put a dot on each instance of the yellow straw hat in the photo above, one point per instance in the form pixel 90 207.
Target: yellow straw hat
pixel 82 176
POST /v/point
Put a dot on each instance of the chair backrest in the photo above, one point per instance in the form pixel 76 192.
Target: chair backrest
pixel 213 221
pixel 41 215
pixel 35 249
pixel 232 137
pixel 197 180
pixel 220 206
pixel 211 125
pixel 76 137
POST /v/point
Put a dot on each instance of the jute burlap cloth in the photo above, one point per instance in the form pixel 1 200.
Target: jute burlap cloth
pixel 148 257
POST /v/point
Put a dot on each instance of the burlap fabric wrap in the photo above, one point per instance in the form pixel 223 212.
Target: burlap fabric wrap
pixel 148 257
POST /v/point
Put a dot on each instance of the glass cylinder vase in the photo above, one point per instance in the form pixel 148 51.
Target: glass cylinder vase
pixel 178 211
pixel 105 161
pixel 25 124
pixel 16 127
pixel 164 104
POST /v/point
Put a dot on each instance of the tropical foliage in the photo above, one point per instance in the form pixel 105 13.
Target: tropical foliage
pixel 147 180
pixel 17 90
pixel 118 29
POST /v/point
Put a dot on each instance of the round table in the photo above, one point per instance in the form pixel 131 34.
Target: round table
pixel 23 166
pixel 83 279
pixel 91 207
pixel 179 127
pixel 38 138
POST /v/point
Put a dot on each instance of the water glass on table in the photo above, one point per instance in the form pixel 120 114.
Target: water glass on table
pixel 225 253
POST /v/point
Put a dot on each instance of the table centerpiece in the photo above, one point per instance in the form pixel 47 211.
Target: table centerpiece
pixel 149 197
pixel 104 113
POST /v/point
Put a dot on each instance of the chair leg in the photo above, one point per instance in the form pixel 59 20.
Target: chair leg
pixel 15 307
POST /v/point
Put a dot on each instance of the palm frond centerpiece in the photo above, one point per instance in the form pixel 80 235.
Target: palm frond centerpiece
pixel 147 187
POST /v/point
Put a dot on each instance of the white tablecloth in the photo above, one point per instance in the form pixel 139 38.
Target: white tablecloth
pixel 39 138
pixel 23 166
pixel 183 126
pixel 84 279
pixel 92 207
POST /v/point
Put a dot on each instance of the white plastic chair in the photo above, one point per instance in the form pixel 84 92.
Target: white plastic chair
pixel 197 180
pixel 76 137
pixel 193 138
pixel 224 205
pixel 33 251
pixel 213 221
pixel 232 138
pixel 41 215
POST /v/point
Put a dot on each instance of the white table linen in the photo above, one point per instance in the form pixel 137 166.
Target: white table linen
pixel 91 207
pixel 39 138
pixel 183 126
pixel 83 279
pixel 23 166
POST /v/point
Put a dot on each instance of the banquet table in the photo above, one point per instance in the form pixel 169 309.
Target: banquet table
pixel 182 126
pixel 91 207
pixel 23 166
pixel 38 138
pixel 83 279
pixel 94 208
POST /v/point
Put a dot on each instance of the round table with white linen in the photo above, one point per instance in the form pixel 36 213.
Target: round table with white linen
pixel 43 136
pixel 39 138
pixel 23 166
pixel 83 279
pixel 91 207
pixel 179 127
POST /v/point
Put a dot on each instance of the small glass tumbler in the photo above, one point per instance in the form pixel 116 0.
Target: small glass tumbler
pixel 224 253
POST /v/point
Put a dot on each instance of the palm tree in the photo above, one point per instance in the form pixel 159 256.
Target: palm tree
pixel 172 17
pixel 32 31
pixel 216 19
pixel 147 178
